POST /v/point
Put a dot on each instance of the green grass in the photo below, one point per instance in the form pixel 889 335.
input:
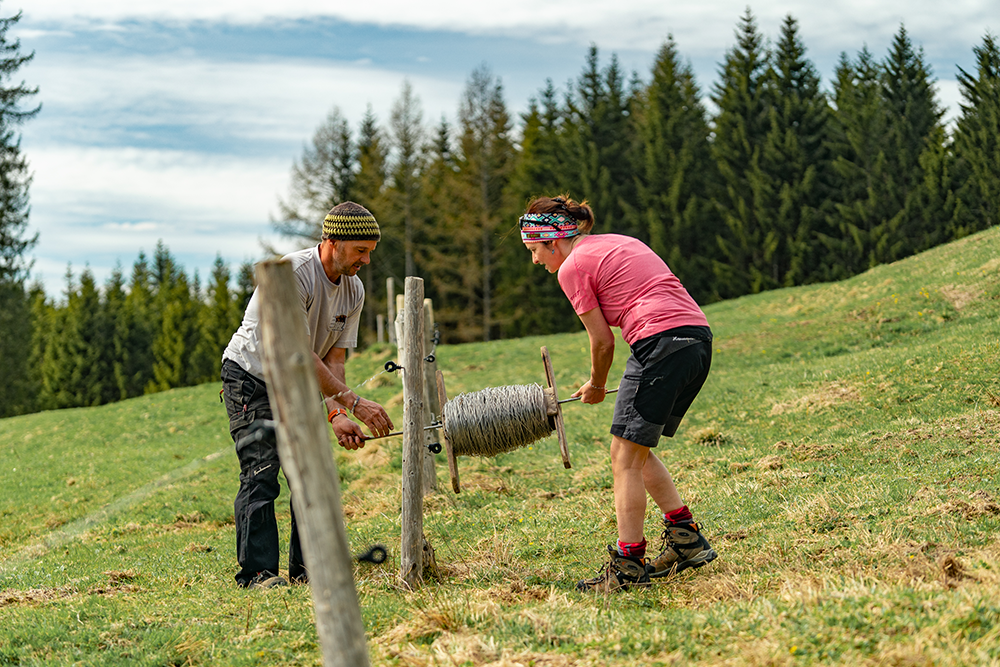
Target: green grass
pixel 843 459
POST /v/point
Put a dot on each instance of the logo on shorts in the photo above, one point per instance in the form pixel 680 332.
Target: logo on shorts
pixel 338 323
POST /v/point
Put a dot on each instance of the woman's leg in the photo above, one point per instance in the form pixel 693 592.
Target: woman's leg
pixel 628 461
pixel 660 485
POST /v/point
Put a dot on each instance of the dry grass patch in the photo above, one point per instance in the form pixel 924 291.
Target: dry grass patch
pixel 976 505
pixel 960 296
pixel 710 435
pixel 35 596
pixel 811 451
pixel 828 395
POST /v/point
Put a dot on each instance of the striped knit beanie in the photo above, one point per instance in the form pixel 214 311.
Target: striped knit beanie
pixel 350 222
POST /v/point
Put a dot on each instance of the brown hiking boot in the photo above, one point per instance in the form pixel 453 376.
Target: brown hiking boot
pixel 683 547
pixel 621 572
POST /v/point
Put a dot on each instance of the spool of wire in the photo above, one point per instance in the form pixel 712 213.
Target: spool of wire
pixel 496 420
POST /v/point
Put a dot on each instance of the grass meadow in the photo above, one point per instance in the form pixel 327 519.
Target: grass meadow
pixel 842 459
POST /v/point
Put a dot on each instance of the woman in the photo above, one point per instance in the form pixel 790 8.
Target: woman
pixel 615 280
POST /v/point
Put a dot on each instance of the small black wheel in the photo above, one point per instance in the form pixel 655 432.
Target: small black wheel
pixel 391 366
pixel 435 447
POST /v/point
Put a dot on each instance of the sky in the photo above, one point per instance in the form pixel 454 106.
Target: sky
pixel 179 120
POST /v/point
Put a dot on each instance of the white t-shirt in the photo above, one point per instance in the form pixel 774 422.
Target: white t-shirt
pixel 332 310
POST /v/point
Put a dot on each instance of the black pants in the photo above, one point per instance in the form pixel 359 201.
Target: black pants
pixel 246 401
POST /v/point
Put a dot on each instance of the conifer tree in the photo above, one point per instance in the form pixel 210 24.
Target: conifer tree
pixel 543 164
pixel 790 180
pixel 858 152
pixel 56 354
pixel 134 333
pixel 602 142
pixel 740 128
pixel 174 324
pixel 112 313
pixel 73 369
pixel 677 175
pixel 370 192
pixel 216 324
pixel 322 178
pixel 246 281
pixel 16 393
pixel 484 169
pixel 531 301
pixel 977 141
pixel 914 127
pixel 450 241
pixel 407 133
pixel 42 314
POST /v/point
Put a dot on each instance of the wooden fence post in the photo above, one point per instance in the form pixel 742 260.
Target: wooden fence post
pixel 431 407
pixel 305 455
pixel 411 547
pixel 380 328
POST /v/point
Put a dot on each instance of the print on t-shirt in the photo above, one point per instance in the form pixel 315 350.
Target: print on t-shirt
pixel 337 323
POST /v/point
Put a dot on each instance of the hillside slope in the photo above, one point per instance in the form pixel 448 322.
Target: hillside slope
pixel 842 459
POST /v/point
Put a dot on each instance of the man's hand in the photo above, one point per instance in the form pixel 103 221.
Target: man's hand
pixel 349 434
pixel 374 416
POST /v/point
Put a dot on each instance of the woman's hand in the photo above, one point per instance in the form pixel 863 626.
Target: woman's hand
pixel 590 393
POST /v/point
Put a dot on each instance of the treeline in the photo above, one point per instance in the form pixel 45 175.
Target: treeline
pixel 782 183
pixel 155 331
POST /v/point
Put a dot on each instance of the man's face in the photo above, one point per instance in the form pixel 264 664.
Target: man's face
pixel 350 256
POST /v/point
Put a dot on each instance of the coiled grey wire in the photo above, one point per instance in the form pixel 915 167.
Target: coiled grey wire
pixel 496 420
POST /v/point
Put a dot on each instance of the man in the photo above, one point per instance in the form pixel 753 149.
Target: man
pixel 332 296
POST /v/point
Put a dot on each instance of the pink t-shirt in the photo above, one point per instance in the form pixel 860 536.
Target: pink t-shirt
pixel 633 287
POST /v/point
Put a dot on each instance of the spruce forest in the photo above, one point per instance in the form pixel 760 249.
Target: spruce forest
pixel 768 178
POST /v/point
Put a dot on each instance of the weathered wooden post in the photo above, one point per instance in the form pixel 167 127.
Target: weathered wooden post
pixel 411 548
pixel 380 328
pixel 304 451
pixel 431 407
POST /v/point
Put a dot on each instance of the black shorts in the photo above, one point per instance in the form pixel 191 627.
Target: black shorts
pixel 662 378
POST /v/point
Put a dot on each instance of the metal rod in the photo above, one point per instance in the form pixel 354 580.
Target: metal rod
pixel 577 398
pixel 389 435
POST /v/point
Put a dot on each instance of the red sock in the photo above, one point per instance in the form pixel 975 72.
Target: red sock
pixel 682 515
pixel 633 550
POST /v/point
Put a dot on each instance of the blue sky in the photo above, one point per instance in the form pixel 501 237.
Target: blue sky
pixel 179 121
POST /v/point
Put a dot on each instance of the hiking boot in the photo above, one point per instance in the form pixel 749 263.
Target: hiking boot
pixel 265 580
pixel 621 572
pixel 683 547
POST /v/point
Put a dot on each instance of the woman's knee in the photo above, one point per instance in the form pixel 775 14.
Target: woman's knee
pixel 626 454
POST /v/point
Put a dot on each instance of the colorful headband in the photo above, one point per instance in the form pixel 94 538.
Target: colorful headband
pixel 541 227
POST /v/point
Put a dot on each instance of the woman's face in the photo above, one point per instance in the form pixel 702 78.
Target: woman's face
pixel 542 253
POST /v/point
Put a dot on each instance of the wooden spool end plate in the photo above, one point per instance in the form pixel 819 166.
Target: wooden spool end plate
pixel 448 449
pixel 552 407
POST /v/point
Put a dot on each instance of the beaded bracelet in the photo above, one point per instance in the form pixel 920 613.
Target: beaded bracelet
pixel 594 386
pixel 357 399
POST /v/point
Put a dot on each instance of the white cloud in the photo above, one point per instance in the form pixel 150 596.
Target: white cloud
pixel 632 24
pixel 97 206
pixel 251 101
